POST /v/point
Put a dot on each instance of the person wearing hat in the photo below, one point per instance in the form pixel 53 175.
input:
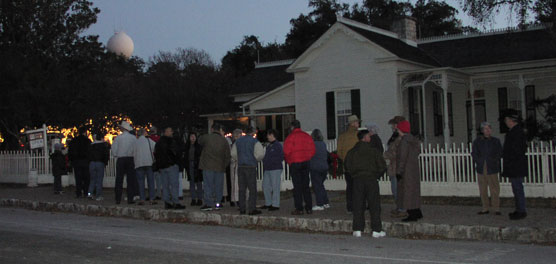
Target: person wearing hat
pixel 515 161
pixel 390 155
pixel 407 172
pixel 346 141
pixel 366 165
pixel 122 150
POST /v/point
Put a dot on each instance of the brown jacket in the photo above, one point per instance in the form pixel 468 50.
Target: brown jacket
pixel 346 141
pixel 216 153
pixel 408 167
pixel 391 155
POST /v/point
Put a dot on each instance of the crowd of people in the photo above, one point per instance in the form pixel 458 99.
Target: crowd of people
pixel 221 169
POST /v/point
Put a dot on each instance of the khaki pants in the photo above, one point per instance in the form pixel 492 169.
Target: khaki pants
pixel 486 182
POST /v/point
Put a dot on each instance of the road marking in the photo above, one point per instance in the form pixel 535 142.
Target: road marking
pixel 149 237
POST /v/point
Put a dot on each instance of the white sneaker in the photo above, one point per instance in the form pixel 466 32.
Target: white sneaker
pixel 357 233
pixel 379 234
pixel 318 208
pixel 326 206
pixel 136 198
pixel 100 198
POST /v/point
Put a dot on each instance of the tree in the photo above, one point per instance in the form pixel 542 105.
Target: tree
pixel 436 19
pixel 484 10
pixel 546 128
pixel 42 53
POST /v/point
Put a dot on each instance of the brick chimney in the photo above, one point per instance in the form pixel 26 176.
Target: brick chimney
pixel 406 28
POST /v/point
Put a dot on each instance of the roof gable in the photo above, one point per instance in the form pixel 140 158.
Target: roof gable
pixel 264 79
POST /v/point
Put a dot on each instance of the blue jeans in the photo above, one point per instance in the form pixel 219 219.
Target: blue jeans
pixel 170 184
pixel 96 170
pixel 141 172
pixel 213 182
pixel 394 187
pixel 195 187
pixel 271 187
pixel 158 183
pixel 317 181
pixel 519 194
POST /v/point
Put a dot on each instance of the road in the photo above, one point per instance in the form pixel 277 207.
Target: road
pixel 33 237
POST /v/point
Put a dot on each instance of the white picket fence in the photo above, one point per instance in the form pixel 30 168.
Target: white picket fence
pixel 445 171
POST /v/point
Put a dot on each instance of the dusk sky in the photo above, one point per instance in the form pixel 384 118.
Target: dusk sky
pixel 215 26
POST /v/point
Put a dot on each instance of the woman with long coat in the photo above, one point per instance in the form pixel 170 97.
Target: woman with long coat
pixel 192 154
pixel 407 172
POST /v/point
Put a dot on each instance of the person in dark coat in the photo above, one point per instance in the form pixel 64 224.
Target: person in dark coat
pixel 192 154
pixel 99 154
pixel 376 142
pixel 486 154
pixel 408 172
pixel 58 167
pixel 78 153
pixel 167 159
pixel 366 165
pixel 515 162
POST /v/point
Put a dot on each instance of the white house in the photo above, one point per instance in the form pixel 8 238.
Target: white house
pixel 354 68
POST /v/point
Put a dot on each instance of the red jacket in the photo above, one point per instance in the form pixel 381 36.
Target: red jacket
pixel 298 147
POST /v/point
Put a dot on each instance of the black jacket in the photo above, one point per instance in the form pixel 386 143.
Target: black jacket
pixel 377 143
pixel 515 146
pixel 58 163
pixel 99 151
pixel 196 158
pixel 79 148
pixel 489 150
pixel 166 152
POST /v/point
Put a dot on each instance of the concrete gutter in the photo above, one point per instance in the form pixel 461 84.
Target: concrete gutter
pixel 397 229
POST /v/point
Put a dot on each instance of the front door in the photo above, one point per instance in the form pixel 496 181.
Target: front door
pixel 480 116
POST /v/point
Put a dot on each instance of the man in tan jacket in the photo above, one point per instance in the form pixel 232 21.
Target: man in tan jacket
pixel 346 141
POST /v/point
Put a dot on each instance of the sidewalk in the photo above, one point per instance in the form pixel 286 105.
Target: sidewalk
pixel 440 221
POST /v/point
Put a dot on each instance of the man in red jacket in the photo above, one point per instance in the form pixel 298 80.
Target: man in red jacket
pixel 299 148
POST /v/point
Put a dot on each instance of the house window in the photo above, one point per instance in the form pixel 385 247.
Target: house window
pixel 531 114
pixel 339 106
pixel 438 114
pixel 414 106
pixel 502 107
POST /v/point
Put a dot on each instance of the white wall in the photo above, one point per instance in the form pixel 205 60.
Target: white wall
pixel 282 98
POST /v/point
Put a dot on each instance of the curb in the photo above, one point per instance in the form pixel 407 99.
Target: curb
pixel 396 229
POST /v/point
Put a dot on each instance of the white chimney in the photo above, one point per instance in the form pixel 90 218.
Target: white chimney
pixel 406 28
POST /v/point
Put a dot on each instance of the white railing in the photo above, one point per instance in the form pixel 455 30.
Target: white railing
pixel 445 171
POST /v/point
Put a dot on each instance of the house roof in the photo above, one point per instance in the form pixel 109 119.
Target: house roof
pixel 264 78
pixel 488 49
pixel 396 46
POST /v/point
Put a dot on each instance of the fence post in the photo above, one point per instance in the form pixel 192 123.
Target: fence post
pixel 545 166
pixel 449 164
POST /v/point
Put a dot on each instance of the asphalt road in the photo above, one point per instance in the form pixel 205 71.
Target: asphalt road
pixel 43 237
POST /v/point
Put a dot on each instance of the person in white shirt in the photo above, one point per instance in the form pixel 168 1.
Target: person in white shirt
pixel 143 159
pixel 122 150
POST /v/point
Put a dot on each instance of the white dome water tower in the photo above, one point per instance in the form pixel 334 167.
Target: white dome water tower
pixel 121 44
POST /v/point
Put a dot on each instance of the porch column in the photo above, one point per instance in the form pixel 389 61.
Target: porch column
pixel 473 120
pixel 424 113
pixel 447 139
pixel 252 119
pixel 521 84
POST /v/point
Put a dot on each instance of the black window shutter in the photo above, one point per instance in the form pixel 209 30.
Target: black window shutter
pixel 330 116
pixel 356 103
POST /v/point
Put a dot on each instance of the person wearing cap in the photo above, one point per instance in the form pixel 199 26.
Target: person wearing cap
pixel 78 154
pixel 58 167
pixel 515 161
pixel 299 148
pixel 486 154
pixel 366 165
pixel 407 172
pixel 390 155
pixel 143 159
pixel 122 150
pixel 346 141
